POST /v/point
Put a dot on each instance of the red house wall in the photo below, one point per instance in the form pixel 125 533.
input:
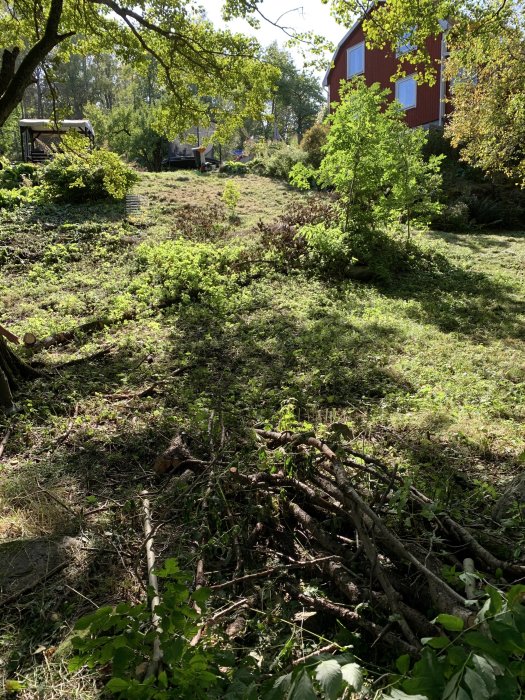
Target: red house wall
pixel 380 66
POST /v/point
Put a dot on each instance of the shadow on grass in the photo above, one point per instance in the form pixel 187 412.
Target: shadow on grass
pixel 460 300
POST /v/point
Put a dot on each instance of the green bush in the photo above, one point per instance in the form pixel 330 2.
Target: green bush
pixel 233 167
pixel 313 142
pixel 10 198
pixel 276 159
pixel 79 175
pixel 483 661
pixel 18 175
pixel 181 271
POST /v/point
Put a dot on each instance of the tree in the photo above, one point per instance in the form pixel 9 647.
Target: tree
pixel 486 45
pixel 193 59
pixel 374 162
pixel 295 102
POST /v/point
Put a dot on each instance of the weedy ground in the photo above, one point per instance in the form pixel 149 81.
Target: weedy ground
pixel 427 371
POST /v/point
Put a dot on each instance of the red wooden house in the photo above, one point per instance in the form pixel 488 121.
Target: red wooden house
pixel 425 105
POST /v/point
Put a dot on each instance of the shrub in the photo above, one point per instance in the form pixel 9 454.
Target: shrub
pixel 455 217
pixel 232 167
pixel 313 142
pixel 18 175
pixel 276 159
pixel 181 271
pixel 10 198
pixel 230 198
pixel 78 175
pixel 281 238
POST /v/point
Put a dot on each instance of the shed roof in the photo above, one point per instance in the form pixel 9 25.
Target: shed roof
pixel 47 125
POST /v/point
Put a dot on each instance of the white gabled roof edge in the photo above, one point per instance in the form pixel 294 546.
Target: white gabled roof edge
pixel 339 47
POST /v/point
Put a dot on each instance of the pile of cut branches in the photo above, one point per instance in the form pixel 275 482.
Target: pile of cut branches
pixel 329 515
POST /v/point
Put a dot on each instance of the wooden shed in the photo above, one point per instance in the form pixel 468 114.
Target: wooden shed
pixel 39 138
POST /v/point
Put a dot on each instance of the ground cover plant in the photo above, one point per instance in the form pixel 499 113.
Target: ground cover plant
pixel 190 361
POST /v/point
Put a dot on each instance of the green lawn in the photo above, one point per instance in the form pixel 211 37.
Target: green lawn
pixel 428 371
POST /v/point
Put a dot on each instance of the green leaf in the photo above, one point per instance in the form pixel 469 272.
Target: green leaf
pixel 403 663
pixel 302 688
pixel 450 622
pixel 436 642
pixel 476 685
pixel 116 685
pixel 329 676
pixel 14 686
pixel 396 694
pixel 201 595
pixel 428 677
pixel 479 641
pixel 485 670
pixel 353 675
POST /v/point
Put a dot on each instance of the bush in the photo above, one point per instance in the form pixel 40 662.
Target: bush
pixel 455 217
pixel 18 175
pixel 78 175
pixel 181 271
pixel 232 167
pixel 276 159
pixel 281 238
pixel 313 142
pixel 10 198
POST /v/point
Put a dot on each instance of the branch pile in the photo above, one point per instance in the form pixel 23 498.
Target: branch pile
pixel 333 519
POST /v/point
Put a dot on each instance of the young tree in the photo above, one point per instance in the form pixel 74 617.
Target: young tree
pixel 375 163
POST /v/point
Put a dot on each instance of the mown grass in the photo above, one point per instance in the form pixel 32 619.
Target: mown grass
pixel 427 370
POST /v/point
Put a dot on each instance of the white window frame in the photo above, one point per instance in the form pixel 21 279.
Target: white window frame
pixel 361 46
pixel 404 80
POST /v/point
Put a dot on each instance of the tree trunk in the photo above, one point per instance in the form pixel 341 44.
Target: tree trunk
pixel 15 80
pixel 12 371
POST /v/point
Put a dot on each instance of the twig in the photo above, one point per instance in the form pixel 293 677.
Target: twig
pixel 4 441
pixel 155 660
pixel 59 501
pixel 271 570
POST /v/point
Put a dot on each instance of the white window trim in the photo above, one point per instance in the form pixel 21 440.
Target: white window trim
pixel 401 80
pixel 353 48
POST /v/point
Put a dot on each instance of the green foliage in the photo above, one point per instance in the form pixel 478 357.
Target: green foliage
pixel 375 163
pixel 232 72
pixel 484 662
pixel 276 159
pixel 18 175
pixel 230 198
pixel 313 143
pixel 81 175
pixel 233 167
pixel 184 272
pixel 124 637
pixel 10 198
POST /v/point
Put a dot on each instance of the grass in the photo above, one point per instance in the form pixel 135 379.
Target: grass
pixel 427 370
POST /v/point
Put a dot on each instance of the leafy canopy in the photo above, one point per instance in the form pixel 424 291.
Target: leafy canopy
pixel 206 72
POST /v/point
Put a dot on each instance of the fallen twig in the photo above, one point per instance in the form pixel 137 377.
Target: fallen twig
pixel 4 441
pixel 156 658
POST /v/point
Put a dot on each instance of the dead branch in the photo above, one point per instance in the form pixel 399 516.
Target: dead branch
pixel 156 657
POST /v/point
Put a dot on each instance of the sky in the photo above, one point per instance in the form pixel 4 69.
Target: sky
pixel 306 15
